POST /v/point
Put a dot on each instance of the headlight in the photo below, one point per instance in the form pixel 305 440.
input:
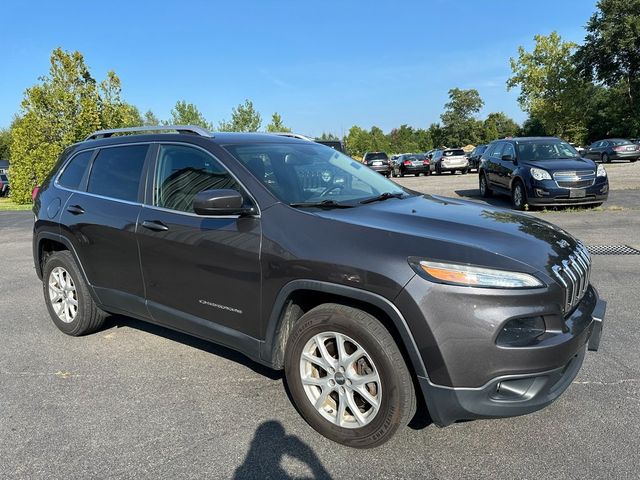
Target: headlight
pixel 469 276
pixel 540 174
pixel 601 171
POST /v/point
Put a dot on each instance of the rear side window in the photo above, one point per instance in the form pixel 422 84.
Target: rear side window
pixel 183 172
pixel 74 171
pixel 117 171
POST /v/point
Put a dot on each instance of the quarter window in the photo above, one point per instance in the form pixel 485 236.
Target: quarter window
pixel 116 172
pixel 75 170
pixel 183 172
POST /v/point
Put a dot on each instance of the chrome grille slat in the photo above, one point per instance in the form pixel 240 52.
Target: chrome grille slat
pixel 573 274
pixel 575 179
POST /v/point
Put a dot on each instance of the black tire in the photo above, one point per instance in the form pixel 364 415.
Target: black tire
pixel 398 400
pixel 632 160
pixel 438 169
pixel 427 172
pixel 605 158
pixel 88 317
pixel 519 200
pixel 465 171
pixel 401 173
pixel 485 190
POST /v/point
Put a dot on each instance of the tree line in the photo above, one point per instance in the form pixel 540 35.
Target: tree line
pixel 578 92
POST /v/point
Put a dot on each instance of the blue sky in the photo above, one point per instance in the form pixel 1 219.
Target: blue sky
pixel 323 65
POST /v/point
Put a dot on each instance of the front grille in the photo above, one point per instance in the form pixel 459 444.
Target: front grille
pixel 575 179
pixel 573 274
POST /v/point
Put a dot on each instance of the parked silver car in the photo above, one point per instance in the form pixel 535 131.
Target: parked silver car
pixel 450 160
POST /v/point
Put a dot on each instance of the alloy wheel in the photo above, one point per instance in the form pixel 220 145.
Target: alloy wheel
pixel 63 295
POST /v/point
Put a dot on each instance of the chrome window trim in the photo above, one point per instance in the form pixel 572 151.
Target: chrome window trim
pixel 258 214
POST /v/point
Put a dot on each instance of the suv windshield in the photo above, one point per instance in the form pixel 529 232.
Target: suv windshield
pixel 546 150
pixel 312 173
pixel 452 153
pixel 375 156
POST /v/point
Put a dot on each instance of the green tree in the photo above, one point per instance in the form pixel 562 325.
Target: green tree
pixel 458 120
pixel 550 88
pixel 532 127
pixel 188 114
pixel 328 137
pixel 5 144
pixel 403 140
pixel 378 140
pixel 498 125
pixel 150 119
pixel 423 139
pixel 244 118
pixel 357 142
pixel 611 55
pixel 276 124
pixel 437 135
pixel 63 108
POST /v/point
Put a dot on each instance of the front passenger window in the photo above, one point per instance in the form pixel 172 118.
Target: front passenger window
pixel 183 172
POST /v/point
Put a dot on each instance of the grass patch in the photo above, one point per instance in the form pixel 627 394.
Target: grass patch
pixel 7 205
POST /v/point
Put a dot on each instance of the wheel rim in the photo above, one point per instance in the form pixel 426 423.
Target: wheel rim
pixel 340 380
pixel 63 295
pixel 517 196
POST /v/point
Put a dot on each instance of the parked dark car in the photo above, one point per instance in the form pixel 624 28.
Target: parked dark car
pixel 4 185
pixel 335 144
pixel 254 241
pixel 410 164
pixel 450 160
pixel 613 149
pixel 474 157
pixel 378 161
pixel 541 171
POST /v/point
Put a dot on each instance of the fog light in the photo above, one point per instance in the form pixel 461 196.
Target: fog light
pixel 541 193
pixel 521 332
pixel 604 189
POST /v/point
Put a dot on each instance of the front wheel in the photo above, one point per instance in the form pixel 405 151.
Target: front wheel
pixel 347 376
pixel 518 196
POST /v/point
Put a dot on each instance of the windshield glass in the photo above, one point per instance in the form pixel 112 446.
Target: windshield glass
pixel 309 173
pixel 546 150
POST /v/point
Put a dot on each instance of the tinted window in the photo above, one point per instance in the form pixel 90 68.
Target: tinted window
pixel 183 172
pixel 116 172
pixel 75 169
pixel 453 152
pixel 375 156
pixel 508 150
pixel 3 177
pixel 496 151
pixel 619 141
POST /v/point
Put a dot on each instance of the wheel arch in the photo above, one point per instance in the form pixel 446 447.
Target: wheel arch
pixel 299 296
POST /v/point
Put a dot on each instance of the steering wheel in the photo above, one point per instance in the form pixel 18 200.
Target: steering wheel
pixel 330 189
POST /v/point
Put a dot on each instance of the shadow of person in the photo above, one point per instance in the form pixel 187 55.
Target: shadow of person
pixel 269 446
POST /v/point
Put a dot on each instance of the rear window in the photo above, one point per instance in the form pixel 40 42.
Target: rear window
pixel 376 156
pixel 116 172
pixel 621 142
pixel 75 169
pixel 452 153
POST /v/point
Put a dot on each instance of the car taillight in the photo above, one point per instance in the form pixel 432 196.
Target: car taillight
pixel 407 162
pixel 34 192
pixel 617 149
pixel 425 162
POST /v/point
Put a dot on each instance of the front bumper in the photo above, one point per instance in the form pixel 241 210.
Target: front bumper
pixel 470 376
pixel 548 193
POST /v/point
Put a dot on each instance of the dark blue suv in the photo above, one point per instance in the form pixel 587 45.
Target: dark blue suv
pixel 541 171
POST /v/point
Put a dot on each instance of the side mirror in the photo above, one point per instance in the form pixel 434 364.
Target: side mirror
pixel 507 158
pixel 220 202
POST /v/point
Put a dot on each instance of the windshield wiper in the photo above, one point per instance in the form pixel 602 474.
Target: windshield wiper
pixel 383 196
pixel 322 204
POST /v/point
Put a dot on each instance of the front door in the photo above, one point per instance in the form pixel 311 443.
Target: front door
pixel 201 273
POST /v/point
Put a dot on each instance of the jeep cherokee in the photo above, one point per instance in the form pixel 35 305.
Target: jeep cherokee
pixel 254 241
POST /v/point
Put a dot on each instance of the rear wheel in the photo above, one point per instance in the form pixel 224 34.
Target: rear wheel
pixel 605 158
pixel 518 196
pixel 67 296
pixel 347 376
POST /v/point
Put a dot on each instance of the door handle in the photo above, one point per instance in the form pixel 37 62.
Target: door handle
pixel 75 209
pixel 155 225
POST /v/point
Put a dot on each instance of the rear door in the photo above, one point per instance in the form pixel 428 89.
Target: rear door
pixel 202 273
pixel 506 167
pixel 492 164
pixel 99 218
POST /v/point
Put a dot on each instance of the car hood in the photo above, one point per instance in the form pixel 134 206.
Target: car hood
pixel 557 165
pixel 456 230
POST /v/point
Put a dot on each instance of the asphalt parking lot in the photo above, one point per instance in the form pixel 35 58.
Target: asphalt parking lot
pixel 134 400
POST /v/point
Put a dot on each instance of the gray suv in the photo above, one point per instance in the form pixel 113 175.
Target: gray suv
pixel 372 298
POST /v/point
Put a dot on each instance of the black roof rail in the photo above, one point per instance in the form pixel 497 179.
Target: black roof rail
pixel 188 129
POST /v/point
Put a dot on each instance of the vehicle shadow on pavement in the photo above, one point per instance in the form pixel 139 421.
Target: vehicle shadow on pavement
pixel 269 446
pixel 119 321
pixel 474 195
